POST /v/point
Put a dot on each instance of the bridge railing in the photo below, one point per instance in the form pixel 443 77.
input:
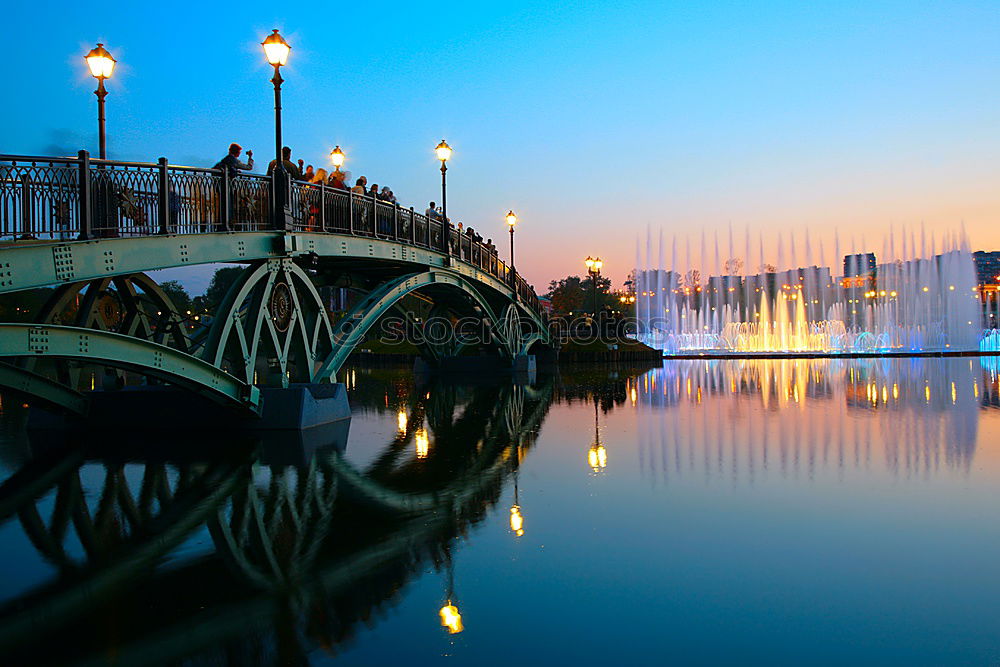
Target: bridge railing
pixel 63 199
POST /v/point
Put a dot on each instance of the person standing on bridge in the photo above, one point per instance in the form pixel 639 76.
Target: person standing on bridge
pixel 338 180
pixel 431 212
pixel 359 185
pixel 231 162
pixel 286 161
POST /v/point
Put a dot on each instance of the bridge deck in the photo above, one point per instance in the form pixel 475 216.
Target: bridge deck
pixel 53 210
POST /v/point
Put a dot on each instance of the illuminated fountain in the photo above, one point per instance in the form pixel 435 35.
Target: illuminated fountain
pixel 921 299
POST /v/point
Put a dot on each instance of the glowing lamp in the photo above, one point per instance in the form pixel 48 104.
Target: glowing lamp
pixel 276 49
pixel 337 157
pixel 443 151
pixel 598 263
pixel 511 219
pixel 589 262
pixel 100 62
pixel 451 619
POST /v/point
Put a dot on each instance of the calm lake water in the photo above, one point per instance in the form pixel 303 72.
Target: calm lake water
pixel 704 512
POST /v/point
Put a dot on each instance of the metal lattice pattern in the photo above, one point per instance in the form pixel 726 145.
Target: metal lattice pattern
pixel 40 199
pixel 193 201
pixel 272 328
pixel 125 200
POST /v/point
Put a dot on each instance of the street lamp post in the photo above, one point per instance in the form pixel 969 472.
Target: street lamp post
pixel 276 50
pixel 443 151
pixel 594 269
pixel 101 66
pixel 511 221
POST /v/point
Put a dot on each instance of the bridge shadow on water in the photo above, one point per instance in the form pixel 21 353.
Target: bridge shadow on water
pixel 246 551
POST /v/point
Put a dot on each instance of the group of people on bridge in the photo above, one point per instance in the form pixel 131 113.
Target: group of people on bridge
pixel 338 181
pixel 306 173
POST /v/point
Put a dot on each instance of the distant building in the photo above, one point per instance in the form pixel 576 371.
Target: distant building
pixel 859 270
pixel 987 267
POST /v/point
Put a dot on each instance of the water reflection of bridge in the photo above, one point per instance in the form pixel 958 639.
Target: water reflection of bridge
pixel 736 420
pixel 298 554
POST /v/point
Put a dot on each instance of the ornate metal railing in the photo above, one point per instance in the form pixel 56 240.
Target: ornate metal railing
pixel 63 199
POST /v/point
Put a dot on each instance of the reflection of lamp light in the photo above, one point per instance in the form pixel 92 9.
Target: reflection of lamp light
pixel 516 520
pixel 451 619
pixel 401 421
pixel 423 444
pixel 597 457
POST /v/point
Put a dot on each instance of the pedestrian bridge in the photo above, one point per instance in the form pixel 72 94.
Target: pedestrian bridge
pixel 94 229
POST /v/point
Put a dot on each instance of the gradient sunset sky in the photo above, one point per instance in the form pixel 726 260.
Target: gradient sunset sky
pixel 591 120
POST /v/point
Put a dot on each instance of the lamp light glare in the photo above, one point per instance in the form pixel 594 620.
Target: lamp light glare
pixel 100 62
pixel 276 49
pixel 337 157
pixel 443 151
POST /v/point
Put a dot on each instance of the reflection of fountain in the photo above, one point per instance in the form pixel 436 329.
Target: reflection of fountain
pixel 810 414
pixel 920 300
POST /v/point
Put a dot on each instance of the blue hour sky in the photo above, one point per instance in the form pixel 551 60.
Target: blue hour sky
pixel 591 120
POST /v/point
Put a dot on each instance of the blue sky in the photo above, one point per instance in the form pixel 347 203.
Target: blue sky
pixel 591 120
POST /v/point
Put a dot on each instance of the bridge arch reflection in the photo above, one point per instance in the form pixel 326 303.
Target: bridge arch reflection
pixel 295 553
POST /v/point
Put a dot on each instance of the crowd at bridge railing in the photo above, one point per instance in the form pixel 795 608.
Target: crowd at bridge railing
pixel 65 199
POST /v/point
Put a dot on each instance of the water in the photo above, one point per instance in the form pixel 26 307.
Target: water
pixel 909 296
pixel 721 511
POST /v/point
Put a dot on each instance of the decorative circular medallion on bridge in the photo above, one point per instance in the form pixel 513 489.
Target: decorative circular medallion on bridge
pixel 281 306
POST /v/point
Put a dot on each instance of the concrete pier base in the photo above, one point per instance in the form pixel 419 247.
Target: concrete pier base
pixel 302 406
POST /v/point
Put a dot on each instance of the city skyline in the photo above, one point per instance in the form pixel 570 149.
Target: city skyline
pixel 776 119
